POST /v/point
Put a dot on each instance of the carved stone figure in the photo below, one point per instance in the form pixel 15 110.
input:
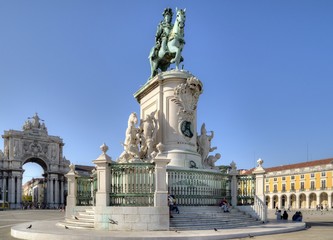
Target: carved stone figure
pixel 204 143
pixel 2 155
pixel 211 160
pixel 148 137
pixel 35 121
pixel 16 149
pixel 27 125
pixel 35 124
pixel 53 152
pixel 6 150
pixel 132 140
pixel 169 42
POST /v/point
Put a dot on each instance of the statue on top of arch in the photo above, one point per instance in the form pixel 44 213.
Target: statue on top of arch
pixel 34 124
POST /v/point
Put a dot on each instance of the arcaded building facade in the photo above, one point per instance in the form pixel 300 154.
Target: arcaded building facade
pixel 305 185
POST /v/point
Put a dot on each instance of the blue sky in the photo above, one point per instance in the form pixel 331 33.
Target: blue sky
pixel 266 67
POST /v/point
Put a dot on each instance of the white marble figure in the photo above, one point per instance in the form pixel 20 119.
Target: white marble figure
pixel 132 140
pixel 16 149
pixel 2 155
pixel 6 151
pixel 53 152
pixel 35 122
pixel 27 125
pixel 148 129
pixel 211 160
pixel 204 143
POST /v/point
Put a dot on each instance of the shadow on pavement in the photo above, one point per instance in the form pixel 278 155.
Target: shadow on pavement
pixel 322 224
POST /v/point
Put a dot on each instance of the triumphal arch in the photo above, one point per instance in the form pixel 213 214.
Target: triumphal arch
pixel 33 144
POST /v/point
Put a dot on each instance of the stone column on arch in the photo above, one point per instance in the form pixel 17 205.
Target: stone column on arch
pixel 307 201
pixel 318 198
pixel 4 186
pixel 329 199
pixel 279 204
pixel 56 191
pixel 272 201
pixel 234 192
pixel 19 191
pixel 62 191
pixel 287 201
pixel 50 188
pixel 11 191
pixel 2 180
pixel 297 201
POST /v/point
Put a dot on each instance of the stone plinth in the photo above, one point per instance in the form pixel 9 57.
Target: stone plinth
pixel 174 95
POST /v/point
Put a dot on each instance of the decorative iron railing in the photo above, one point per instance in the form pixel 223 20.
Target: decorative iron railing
pixel 198 188
pixel 84 188
pixel 94 187
pixel 246 189
pixel 132 184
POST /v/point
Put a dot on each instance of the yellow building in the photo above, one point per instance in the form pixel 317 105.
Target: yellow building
pixel 305 185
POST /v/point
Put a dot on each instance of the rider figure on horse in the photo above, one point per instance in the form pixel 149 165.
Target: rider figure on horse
pixel 163 31
pixel 169 42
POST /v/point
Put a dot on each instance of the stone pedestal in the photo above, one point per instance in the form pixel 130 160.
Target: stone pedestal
pixel 103 178
pixel 161 189
pixel 233 185
pixel 259 200
pixel 72 191
pixel 174 95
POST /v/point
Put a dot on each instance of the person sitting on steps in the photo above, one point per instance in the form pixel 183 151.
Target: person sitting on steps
pixel 173 203
pixel 224 205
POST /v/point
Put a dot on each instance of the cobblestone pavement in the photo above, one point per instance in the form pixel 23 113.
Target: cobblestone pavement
pixel 320 227
pixel 13 217
pixel 320 223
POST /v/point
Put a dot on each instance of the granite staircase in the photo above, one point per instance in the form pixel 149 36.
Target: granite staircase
pixel 209 217
pixel 82 220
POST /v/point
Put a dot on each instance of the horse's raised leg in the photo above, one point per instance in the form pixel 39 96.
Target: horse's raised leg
pixel 176 59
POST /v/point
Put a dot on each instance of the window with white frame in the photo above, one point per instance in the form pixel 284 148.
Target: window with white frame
pixel 283 187
pixel 312 185
pixel 302 185
pixel 323 184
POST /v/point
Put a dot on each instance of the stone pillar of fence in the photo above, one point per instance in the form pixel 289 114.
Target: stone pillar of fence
pixel 72 190
pixel 259 171
pixel 103 178
pixel 161 188
pixel 260 201
pixel 233 184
